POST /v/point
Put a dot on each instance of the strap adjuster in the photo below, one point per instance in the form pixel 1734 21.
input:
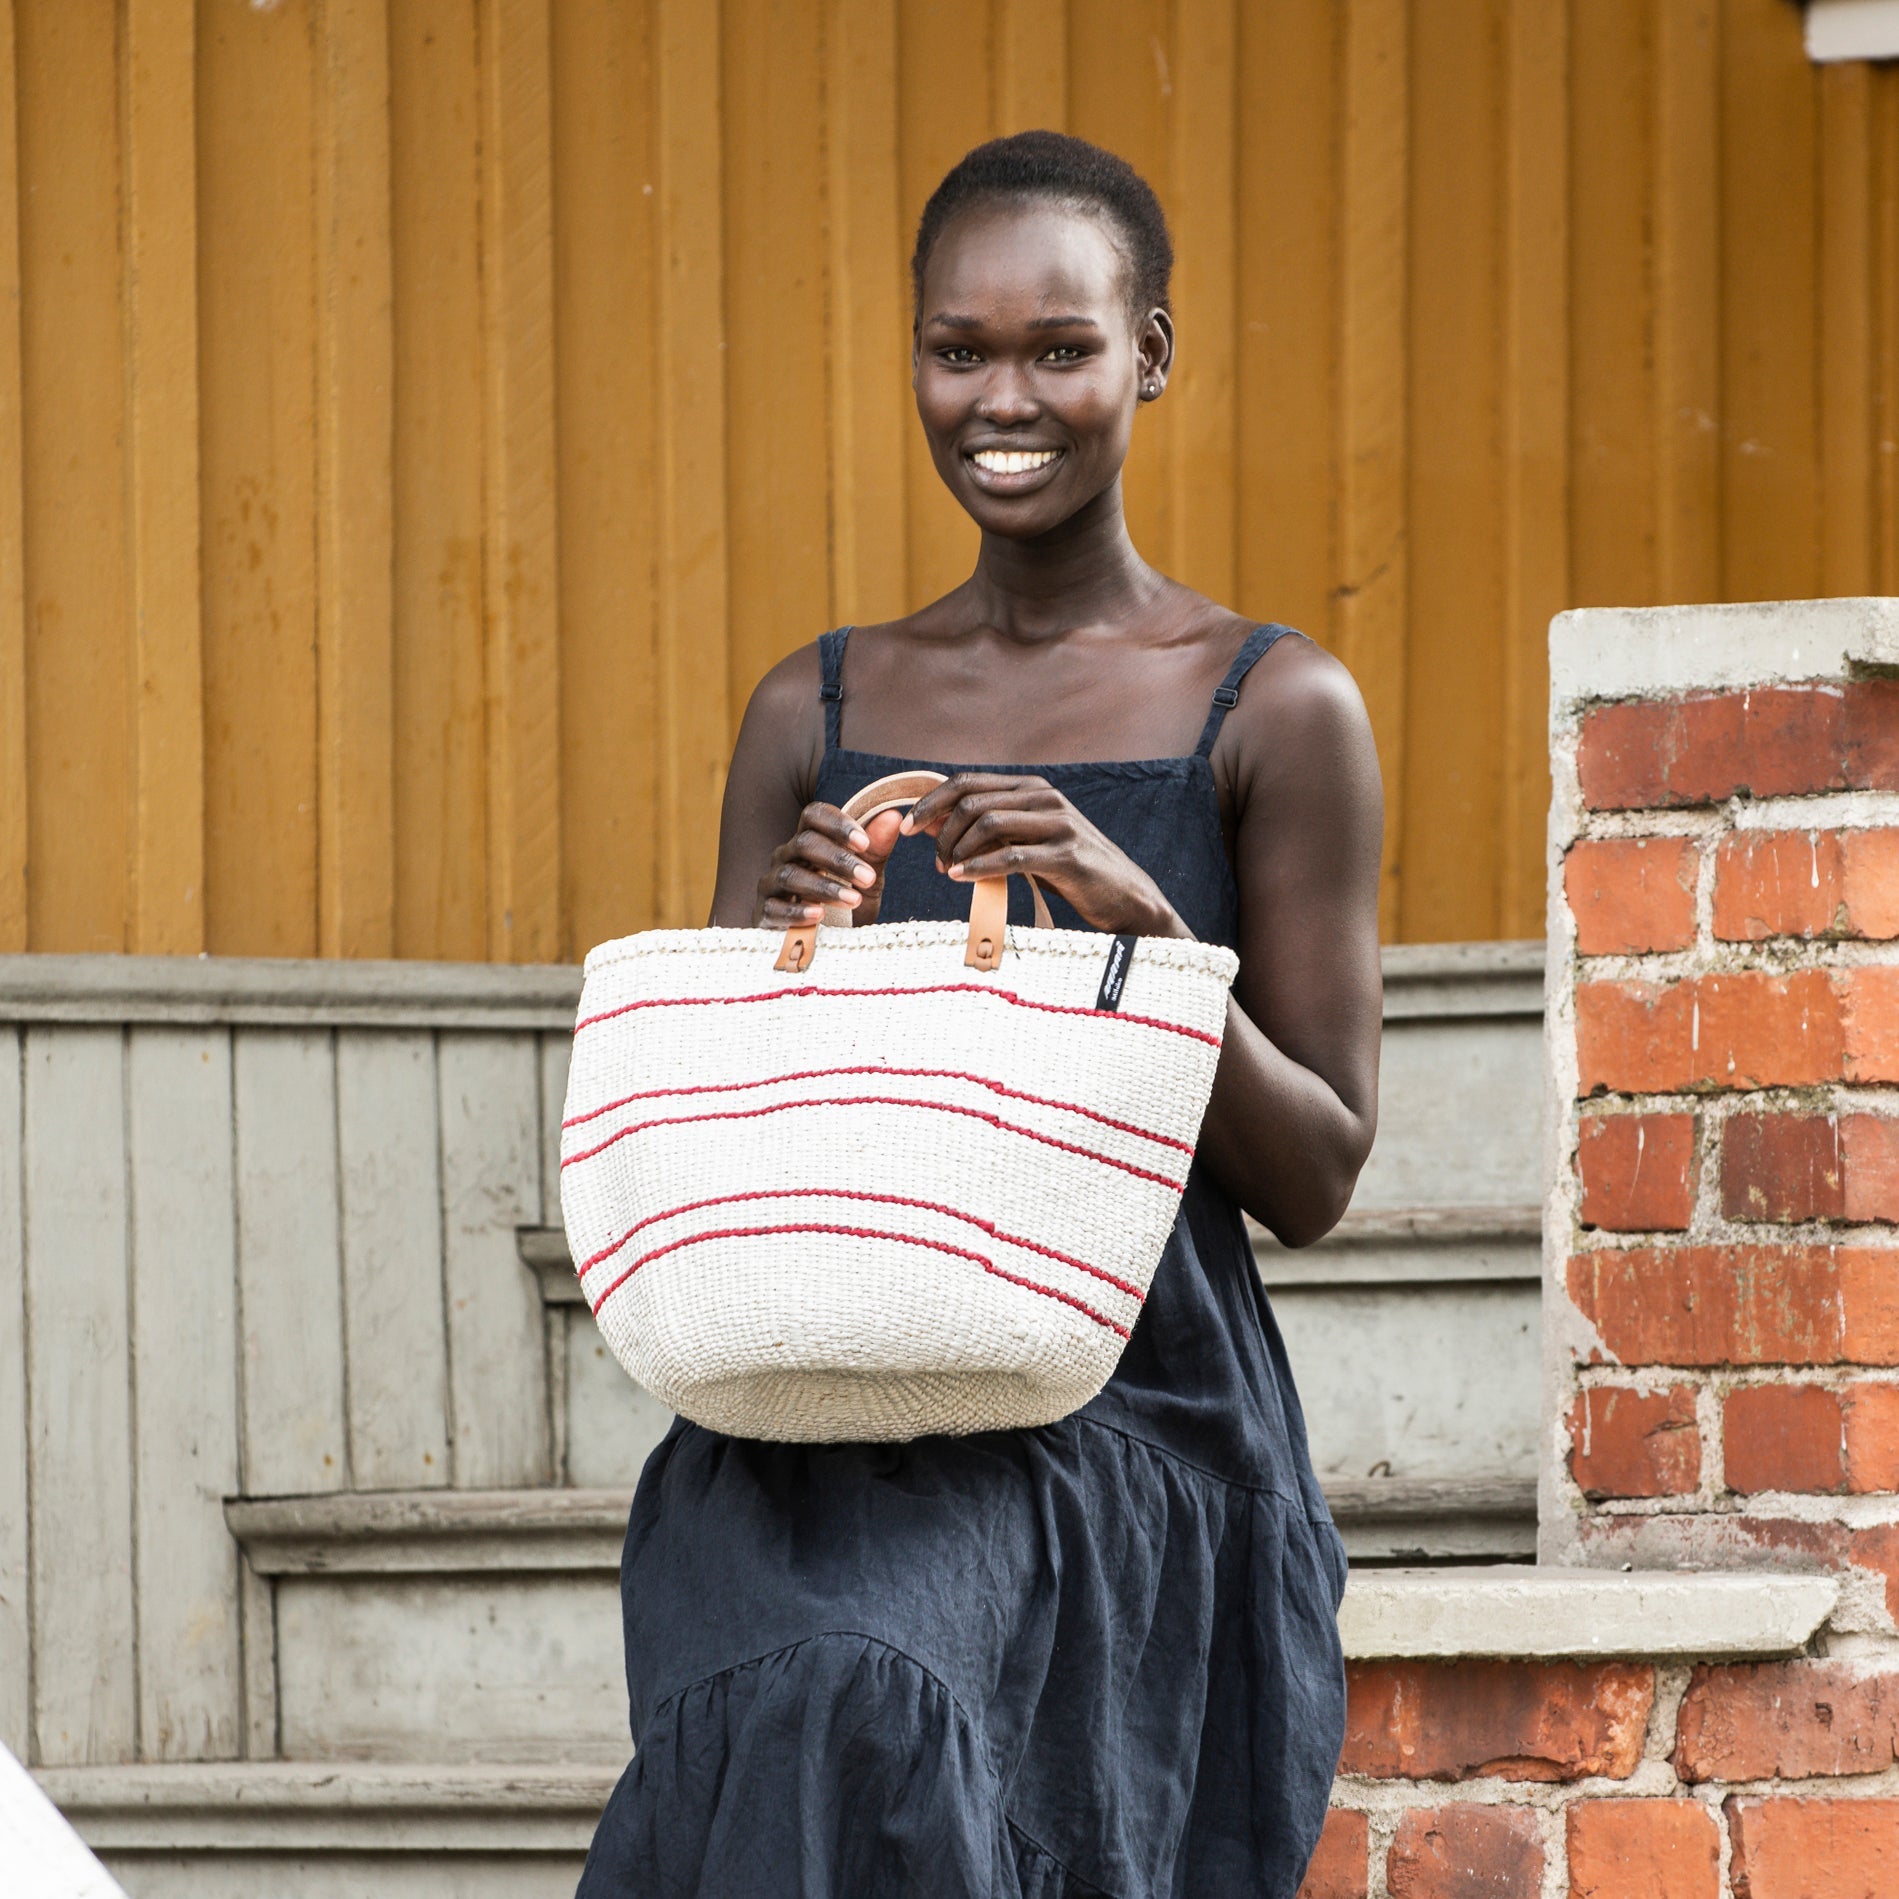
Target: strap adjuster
pixel 831 690
pixel 1226 697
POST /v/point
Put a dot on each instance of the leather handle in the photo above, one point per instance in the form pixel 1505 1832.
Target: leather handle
pixel 988 897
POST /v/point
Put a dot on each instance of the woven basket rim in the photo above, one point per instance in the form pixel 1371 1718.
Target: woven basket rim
pixel 1177 952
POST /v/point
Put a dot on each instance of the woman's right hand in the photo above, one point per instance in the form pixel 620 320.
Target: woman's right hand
pixel 832 860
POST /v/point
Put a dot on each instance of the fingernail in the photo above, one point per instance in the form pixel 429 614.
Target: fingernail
pixel 814 912
pixel 859 841
pixel 864 875
pixel 906 828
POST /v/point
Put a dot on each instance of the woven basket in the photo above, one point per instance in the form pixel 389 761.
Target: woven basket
pixel 913 1179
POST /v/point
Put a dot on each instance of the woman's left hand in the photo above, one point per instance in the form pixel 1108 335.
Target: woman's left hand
pixel 990 824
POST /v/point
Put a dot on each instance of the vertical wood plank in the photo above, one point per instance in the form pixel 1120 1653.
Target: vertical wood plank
pixel 868 308
pixel 779 471
pixel 257 1622
pixel 258 370
pixel 16 1645
pixel 1289 220
pixel 79 1379
pixel 1373 593
pixel 1884 159
pixel 1121 95
pixel 556 1056
pixel 354 494
pixel 944 60
pixel 13 758
pixel 491 1184
pixel 695 672
pixel 395 1329
pixel 605 265
pixel 184 1334
pixel 441 843
pixel 519 563
pixel 1204 449
pixel 1769 284
pixel 73 436
pixel 1535 437
pixel 161 347
pixel 1613 400
pixel 1452 635
pixel 1031 66
pixel 1849 400
pixel 290 1305
pixel 1688 303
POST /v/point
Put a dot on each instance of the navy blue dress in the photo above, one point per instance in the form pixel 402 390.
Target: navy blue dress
pixel 1098 1658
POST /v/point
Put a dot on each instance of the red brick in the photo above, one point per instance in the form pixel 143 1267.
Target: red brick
pixel 1878 1550
pixel 1741 1305
pixel 1869 1152
pixel 1632 894
pixel 1627 1443
pixel 1813 1849
pixel 1872 735
pixel 1869 883
pixel 1771 741
pixel 1783 1437
pixel 1787 1721
pixel 1748 1030
pixel 1778 883
pixel 1869 1019
pixel 1780 1167
pixel 1638 1172
pixel 1870 1413
pixel 1466 1853
pixel 1643 1849
pixel 1547 1721
pixel 1340 1867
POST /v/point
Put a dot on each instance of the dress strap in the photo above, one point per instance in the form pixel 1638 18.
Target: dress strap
pixel 1226 695
pixel 831 690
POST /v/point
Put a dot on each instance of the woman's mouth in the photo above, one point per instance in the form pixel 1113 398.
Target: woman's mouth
pixel 1006 470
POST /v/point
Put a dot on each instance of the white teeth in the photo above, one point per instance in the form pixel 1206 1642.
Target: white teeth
pixel 1012 462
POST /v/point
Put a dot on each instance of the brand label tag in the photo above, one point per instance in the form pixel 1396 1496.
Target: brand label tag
pixel 1120 955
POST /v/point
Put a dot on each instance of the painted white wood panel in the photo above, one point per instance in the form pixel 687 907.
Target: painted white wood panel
pixel 257 1624
pixel 1460 1114
pixel 612 1423
pixel 184 1342
pixel 491 1184
pixel 557 1053
pixel 79 1381
pixel 392 1259
pixel 289 1291
pixel 320 1875
pixel 16 1714
pixel 489 1668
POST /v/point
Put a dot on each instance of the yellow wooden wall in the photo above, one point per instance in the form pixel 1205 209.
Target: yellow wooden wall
pixel 431 416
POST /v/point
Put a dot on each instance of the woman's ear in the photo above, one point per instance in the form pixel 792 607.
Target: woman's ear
pixel 1155 346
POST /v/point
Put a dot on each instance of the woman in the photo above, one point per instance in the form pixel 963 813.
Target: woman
pixel 1097 1658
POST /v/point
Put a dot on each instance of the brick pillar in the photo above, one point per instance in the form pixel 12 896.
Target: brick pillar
pixel 1722 1331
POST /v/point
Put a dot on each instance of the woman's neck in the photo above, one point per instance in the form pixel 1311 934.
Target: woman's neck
pixel 1084 573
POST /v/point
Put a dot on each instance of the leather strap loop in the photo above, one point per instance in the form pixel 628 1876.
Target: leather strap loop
pixel 988 897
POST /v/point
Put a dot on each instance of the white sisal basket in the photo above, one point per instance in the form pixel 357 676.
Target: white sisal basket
pixel 897 1190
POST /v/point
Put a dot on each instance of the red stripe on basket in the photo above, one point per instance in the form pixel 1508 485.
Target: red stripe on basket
pixel 928 989
pixel 876 1199
pixel 871 1068
pixel 872 1101
pixel 856 1233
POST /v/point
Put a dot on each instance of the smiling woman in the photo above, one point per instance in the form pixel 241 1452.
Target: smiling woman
pixel 1097 1657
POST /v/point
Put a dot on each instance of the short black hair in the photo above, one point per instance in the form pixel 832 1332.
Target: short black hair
pixel 1072 172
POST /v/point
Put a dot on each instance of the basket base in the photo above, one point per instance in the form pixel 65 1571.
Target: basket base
pixel 846 1406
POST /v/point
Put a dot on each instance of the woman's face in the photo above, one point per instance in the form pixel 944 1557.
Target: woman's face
pixel 1028 363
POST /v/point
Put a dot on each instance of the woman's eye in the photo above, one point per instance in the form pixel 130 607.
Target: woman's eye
pixel 1064 353
pixel 958 355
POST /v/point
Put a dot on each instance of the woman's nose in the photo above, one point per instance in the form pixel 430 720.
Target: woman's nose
pixel 1006 397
